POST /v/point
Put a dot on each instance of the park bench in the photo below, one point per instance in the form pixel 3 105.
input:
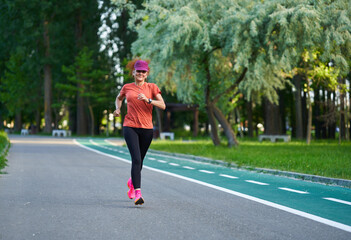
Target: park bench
pixel 24 132
pixel 61 133
pixel 163 135
pixel 273 138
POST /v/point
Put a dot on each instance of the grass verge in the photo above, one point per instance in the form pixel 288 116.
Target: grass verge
pixel 323 158
pixel 4 141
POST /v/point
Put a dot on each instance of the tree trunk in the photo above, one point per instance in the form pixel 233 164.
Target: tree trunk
pixel 167 121
pixel 272 120
pixel 82 127
pixel 249 118
pixel 209 107
pixel 92 119
pixel 37 120
pixel 72 119
pixel 159 121
pixel 331 115
pixel 298 107
pixel 316 113
pixel 47 81
pixel 282 112
pixel 196 123
pixel 324 111
pixel 18 121
pixel 304 114
pixel 309 122
pixel 214 131
pixel 342 128
pixel 226 127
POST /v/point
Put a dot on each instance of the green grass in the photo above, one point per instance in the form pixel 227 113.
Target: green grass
pixel 3 144
pixel 323 158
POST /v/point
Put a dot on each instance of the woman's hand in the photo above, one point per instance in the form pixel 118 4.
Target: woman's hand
pixel 117 112
pixel 142 97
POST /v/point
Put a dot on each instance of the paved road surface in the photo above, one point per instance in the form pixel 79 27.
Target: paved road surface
pixel 57 189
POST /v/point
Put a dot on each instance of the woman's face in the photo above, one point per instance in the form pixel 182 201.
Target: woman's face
pixel 140 76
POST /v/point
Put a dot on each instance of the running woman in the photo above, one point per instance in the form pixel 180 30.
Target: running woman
pixel 137 126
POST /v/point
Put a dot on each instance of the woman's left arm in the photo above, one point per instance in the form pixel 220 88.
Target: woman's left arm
pixel 158 102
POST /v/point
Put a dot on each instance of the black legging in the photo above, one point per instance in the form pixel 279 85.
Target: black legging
pixel 138 141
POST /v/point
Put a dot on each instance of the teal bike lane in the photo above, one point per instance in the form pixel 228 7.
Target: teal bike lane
pixel 327 204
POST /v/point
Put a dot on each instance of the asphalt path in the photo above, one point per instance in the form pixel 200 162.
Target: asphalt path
pixel 59 188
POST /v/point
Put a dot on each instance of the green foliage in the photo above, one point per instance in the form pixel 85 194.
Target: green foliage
pixel 71 25
pixel 17 89
pixel 324 75
pixel 19 71
pixel 266 37
pixel 84 78
pixel 4 141
pixel 179 34
pixel 176 37
pixel 336 41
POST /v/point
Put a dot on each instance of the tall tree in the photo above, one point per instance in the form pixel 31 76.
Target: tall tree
pixel 185 52
pixel 47 79
pixel 20 38
pixel 91 83
pixel 297 27
pixel 336 42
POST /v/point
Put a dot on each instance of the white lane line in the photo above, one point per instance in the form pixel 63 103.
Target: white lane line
pixel 94 143
pixel 187 167
pixel 161 161
pixel 112 143
pixel 338 200
pixel 293 190
pixel 255 182
pixel 205 171
pixel 150 158
pixel 227 176
pixel 174 164
pixel 178 158
pixel 235 193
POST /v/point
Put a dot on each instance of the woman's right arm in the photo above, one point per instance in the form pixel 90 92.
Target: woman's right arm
pixel 118 104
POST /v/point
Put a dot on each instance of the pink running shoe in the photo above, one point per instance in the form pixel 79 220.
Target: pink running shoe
pixel 139 200
pixel 131 192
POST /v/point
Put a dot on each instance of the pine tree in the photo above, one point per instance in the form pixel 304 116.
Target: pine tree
pixel 91 83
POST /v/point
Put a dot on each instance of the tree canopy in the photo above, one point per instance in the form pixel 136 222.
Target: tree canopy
pixel 225 56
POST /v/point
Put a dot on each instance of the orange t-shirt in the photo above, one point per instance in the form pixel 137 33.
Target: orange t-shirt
pixel 139 113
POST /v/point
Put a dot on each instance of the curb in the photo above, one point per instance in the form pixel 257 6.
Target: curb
pixel 302 176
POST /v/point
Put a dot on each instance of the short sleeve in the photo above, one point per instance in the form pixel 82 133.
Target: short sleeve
pixel 155 90
pixel 122 93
